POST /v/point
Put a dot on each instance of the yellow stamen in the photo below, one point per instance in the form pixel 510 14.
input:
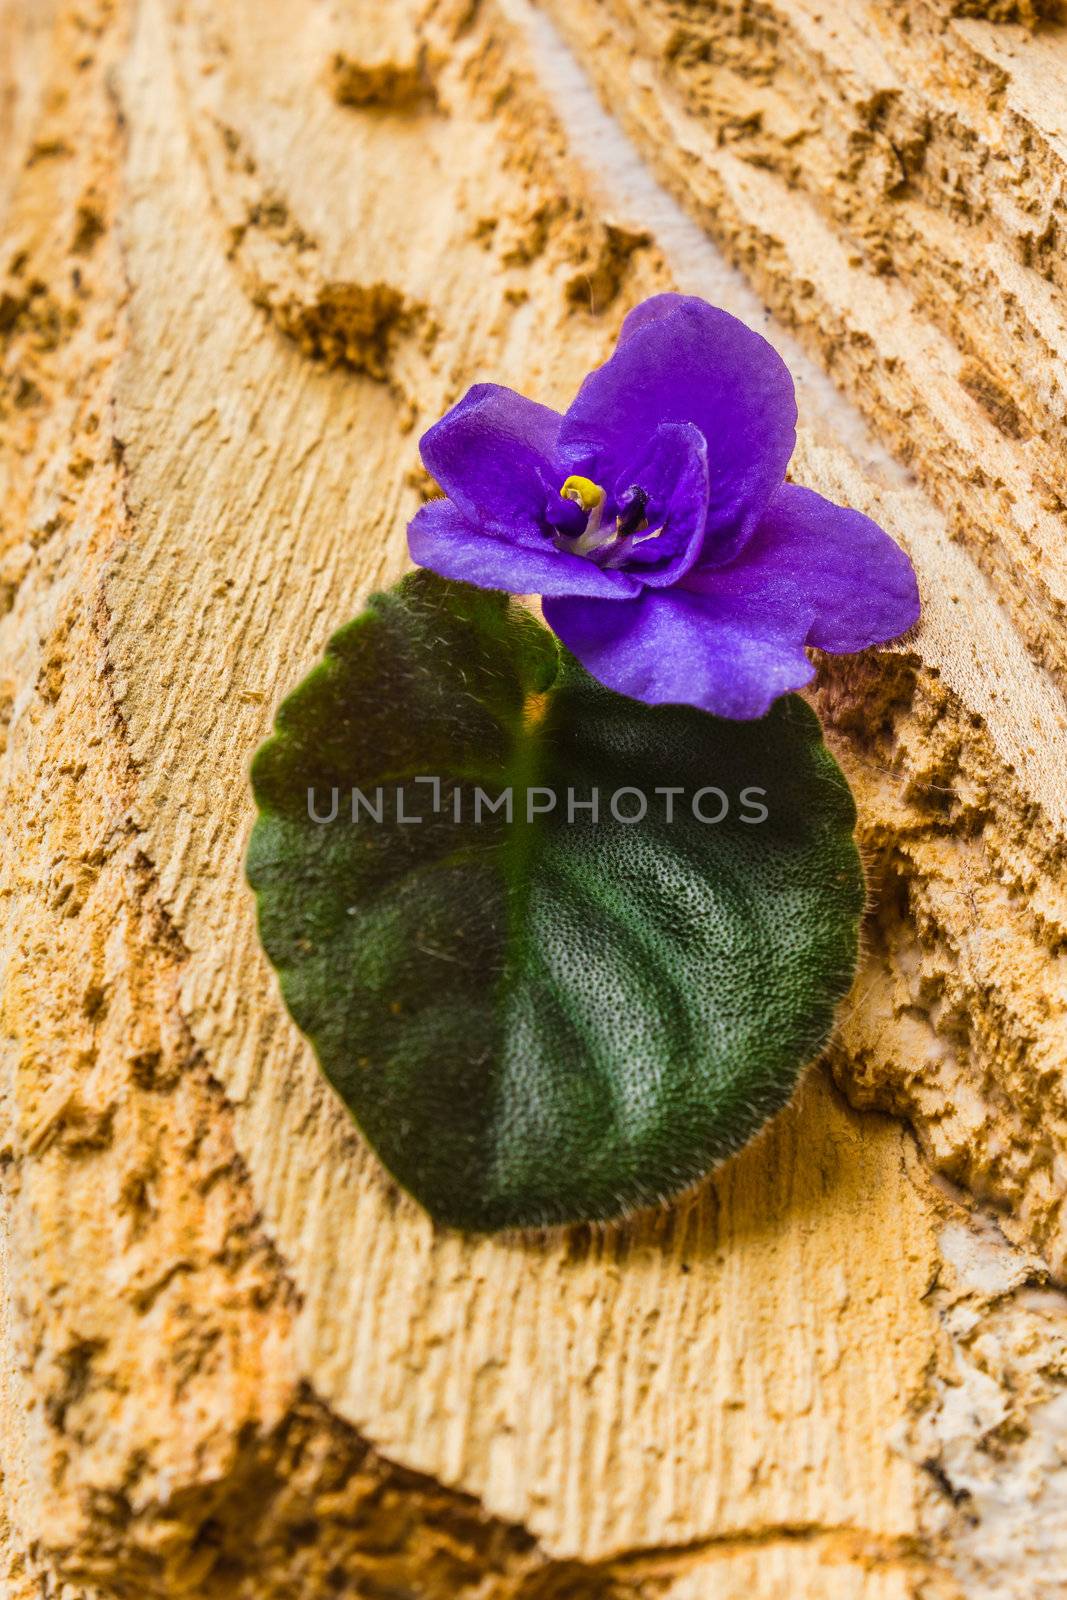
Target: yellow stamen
pixel 584 492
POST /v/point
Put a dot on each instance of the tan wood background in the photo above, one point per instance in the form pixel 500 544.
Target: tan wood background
pixel 249 249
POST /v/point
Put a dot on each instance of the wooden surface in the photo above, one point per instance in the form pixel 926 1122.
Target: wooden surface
pixel 250 250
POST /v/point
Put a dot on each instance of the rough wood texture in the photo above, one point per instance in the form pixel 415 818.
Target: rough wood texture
pixel 249 250
pixel 893 178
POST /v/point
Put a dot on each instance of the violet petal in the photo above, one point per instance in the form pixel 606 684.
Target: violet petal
pixel 681 360
pixel 675 647
pixel 673 472
pixel 819 572
pixel 440 537
pixel 491 456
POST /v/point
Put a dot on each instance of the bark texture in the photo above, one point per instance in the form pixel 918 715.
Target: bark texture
pixel 249 250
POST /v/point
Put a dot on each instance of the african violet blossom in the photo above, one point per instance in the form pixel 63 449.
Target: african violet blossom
pixel 654 520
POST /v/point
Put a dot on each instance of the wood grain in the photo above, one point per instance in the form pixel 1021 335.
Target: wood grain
pixel 251 251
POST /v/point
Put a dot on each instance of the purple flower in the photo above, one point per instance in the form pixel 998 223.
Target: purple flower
pixel 654 520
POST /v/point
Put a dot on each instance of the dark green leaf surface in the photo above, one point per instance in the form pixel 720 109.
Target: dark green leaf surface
pixel 548 1021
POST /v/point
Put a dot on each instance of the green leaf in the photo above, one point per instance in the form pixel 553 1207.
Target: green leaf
pixel 550 1020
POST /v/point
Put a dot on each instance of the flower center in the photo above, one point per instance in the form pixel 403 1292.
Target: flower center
pixel 591 499
pixel 607 545
pixel 584 492
pixel 633 504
